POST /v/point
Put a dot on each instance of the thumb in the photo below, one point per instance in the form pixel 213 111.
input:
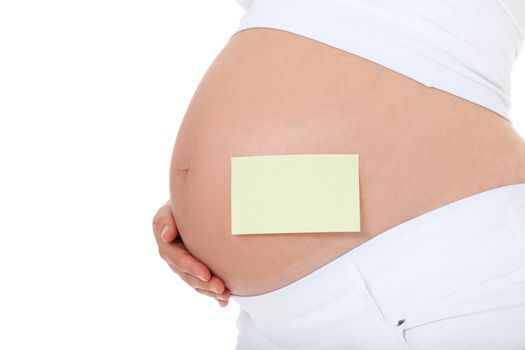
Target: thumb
pixel 168 231
pixel 164 224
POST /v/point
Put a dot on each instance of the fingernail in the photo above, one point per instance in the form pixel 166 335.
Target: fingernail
pixel 165 229
pixel 213 288
pixel 201 278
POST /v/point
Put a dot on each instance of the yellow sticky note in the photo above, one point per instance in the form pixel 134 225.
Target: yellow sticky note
pixel 295 193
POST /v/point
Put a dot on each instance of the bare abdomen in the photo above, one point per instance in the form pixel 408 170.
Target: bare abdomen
pixel 274 92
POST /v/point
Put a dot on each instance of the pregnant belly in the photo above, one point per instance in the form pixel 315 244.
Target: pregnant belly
pixel 274 92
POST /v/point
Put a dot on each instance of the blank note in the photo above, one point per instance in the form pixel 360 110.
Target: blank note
pixel 299 193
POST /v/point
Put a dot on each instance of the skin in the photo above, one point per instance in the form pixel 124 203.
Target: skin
pixel 462 149
pixel 188 268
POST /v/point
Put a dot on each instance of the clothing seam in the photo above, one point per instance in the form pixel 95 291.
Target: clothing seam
pixel 457 315
pixel 413 313
pixel 367 288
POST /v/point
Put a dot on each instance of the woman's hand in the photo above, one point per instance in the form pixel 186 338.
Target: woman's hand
pixel 173 251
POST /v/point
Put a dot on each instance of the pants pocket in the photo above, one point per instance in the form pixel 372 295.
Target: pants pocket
pixel 487 316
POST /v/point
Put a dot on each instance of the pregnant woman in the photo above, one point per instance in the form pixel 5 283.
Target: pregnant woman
pixel 421 92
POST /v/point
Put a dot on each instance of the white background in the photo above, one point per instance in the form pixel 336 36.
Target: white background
pixel 91 97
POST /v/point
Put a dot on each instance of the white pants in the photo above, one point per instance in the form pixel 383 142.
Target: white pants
pixel 452 278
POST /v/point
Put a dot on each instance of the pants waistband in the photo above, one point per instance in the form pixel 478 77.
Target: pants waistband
pixel 425 258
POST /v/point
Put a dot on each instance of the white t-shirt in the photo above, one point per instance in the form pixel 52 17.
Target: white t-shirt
pixel 465 47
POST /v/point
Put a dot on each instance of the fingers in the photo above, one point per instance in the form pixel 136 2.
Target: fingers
pixel 218 297
pixel 176 253
pixel 194 273
pixel 165 231
pixel 177 256
pixel 214 288
pixel 215 284
pixel 225 296
pixel 173 251
pixel 164 226
pixel 223 303
pixel 169 232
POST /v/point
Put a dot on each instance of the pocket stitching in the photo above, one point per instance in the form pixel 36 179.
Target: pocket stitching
pixel 413 320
